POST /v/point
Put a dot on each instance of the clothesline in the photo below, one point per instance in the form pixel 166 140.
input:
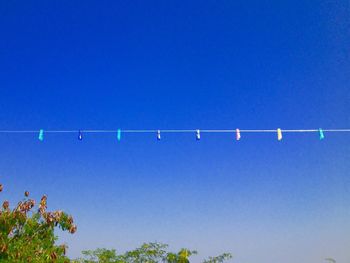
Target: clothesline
pixel 197 132
pixel 176 130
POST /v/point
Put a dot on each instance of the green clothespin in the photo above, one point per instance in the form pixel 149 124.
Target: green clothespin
pixel 320 131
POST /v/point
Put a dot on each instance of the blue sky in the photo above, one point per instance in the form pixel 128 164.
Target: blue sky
pixel 186 65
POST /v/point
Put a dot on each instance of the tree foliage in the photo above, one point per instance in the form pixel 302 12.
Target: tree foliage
pixel 28 236
pixel 147 253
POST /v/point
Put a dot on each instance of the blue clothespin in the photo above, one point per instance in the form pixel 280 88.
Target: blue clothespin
pixel 41 135
pixel 80 135
pixel 198 135
pixel 119 135
pixel 320 131
pixel 158 135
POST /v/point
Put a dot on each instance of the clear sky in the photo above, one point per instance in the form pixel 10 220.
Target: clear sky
pixel 183 64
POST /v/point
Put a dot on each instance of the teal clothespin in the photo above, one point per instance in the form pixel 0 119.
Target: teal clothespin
pixel 119 135
pixel 320 131
pixel 41 135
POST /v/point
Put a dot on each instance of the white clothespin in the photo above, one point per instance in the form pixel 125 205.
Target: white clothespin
pixel 238 134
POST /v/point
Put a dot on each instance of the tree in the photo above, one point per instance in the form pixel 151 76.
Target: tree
pixel 28 236
pixel 147 253
pixel 218 259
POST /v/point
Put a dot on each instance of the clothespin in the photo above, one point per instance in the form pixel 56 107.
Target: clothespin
pixel 198 135
pixel 119 135
pixel 41 135
pixel 279 134
pixel 320 131
pixel 238 134
pixel 80 135
pixel 158 135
